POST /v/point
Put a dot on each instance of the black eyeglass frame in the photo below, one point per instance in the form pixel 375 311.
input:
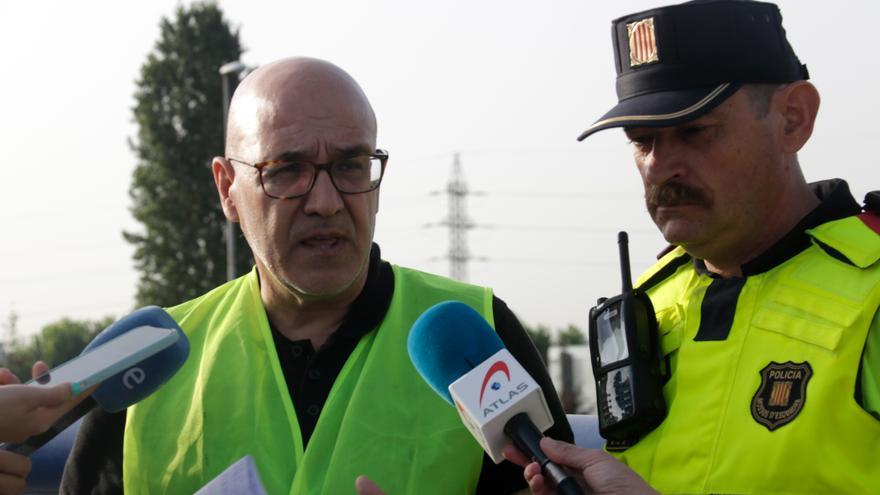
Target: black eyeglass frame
pixel 379 154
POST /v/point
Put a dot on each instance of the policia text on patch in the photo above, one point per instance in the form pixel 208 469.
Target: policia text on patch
pixel 782 393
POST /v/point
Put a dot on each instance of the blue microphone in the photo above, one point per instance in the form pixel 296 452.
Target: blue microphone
pixel 447 341
pixel 127 387
pixel 139 381
pixel 459 355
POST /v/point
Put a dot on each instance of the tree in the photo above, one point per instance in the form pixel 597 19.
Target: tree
pixel 571 335
pixel 180 251
pixel 66 338
pixel 540 336
pixel 10 327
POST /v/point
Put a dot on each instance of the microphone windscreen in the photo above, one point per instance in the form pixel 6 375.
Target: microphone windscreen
pixel 447 341
pixel 139 381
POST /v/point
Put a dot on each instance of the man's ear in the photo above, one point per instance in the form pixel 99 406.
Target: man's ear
pixel 224 175
pixel 798 104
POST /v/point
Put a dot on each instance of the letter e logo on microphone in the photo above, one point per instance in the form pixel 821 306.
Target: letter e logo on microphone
pixel 133 378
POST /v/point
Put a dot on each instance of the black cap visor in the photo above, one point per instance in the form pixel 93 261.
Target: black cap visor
pixel 663 108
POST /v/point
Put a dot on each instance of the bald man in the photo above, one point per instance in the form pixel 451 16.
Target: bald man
pixel 302 363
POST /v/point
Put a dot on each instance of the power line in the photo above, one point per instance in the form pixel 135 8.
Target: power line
pixel 561 195
pixel 530 228
pixel 102 307
pixel 457 221
pixel 537 261
pixel 579 230
pixel 103 272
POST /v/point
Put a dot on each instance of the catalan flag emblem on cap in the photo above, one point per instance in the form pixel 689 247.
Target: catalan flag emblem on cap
pixel 642 42
pixel 679 62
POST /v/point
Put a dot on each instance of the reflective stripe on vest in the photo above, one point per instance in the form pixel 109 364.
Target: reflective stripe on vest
pixel 230 400
pixel 723 433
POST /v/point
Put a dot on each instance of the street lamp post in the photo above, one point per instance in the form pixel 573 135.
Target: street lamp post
pixel 230 74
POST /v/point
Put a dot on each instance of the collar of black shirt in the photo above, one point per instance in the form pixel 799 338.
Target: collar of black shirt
pixel 367 310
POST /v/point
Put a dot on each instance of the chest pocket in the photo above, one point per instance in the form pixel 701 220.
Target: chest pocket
pixel 812 316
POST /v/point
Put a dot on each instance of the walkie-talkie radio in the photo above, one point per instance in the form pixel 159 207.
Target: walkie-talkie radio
pixel 625 351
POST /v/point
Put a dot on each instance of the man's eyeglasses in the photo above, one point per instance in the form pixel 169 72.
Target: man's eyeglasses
pixel 289 179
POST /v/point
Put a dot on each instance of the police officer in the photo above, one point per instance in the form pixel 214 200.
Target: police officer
pixel 767 298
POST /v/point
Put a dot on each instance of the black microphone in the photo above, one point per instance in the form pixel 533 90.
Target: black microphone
pixel 33 443
pixel 527 439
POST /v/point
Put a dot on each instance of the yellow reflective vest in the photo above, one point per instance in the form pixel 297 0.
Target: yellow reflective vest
pixel 230 400
pixel 770 407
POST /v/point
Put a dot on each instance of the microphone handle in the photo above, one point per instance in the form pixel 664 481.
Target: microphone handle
pixel 527 438
pixel 33 443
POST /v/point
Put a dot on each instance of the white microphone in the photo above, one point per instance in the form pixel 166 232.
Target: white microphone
pixel 464 361
pixel 492 393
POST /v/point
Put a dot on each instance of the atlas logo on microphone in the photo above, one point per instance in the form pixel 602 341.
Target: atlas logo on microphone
pixel 491 393
pixel 505 396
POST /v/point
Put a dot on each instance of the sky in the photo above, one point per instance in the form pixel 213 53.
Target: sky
pixel 506 84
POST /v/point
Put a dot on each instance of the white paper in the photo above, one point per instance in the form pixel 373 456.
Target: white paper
pixel 238 479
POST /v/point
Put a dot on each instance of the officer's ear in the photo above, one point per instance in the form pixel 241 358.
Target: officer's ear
pixel 797 103
pixel 224 175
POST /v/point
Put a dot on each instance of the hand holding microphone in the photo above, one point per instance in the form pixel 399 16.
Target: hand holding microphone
pixel 459 355
pixel 26 411
pixel 154 348
pixel 597 471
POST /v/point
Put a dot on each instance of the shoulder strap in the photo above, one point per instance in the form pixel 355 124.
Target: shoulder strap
pixel 854 240
pixel 663 269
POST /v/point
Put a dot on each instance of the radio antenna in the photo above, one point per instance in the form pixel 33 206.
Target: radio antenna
pixel 625 274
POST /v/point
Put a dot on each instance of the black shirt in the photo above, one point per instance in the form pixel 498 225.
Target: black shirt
pixel 95 462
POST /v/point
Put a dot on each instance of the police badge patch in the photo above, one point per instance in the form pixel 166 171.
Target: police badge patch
pixel 782 393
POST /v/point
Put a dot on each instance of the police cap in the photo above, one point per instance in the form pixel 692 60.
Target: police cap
pixel 677 63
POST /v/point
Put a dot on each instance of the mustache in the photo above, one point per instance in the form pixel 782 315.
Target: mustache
pixel 675 194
